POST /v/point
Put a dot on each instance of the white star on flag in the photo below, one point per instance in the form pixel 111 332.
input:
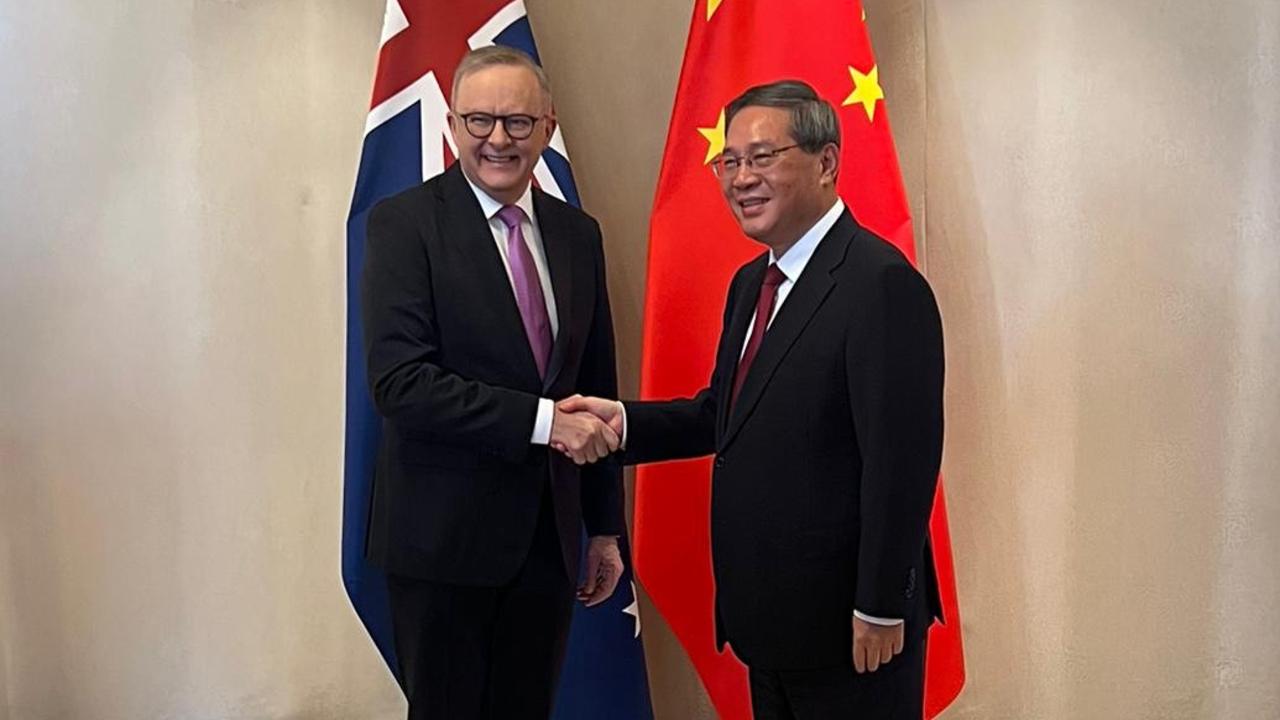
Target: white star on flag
pixel 634 608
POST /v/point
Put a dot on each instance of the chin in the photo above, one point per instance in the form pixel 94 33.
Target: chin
pixel 503 181
pixel 754 229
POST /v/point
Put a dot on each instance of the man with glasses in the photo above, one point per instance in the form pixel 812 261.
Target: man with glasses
pixel 824 413
pixel 483 301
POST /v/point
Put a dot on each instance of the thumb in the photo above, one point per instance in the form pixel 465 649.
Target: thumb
pixel 573 403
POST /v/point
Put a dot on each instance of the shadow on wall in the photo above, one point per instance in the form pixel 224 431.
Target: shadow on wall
pixel 981 478
pixel 1079 234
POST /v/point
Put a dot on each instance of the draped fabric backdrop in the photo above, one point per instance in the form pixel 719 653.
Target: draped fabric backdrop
pixel 1094 190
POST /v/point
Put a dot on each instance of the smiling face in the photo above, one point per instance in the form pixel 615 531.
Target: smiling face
pixel 498 164
pixel 777 204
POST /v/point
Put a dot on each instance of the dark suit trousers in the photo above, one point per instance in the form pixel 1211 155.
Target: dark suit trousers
pixel 480 653
pixel 893 692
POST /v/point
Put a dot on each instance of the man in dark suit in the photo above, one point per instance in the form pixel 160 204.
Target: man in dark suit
pixel 484 300
pixel 824 413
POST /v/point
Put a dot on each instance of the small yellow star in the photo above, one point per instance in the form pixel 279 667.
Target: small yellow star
pixel 866 90
pixel 712 6
pixel 715 139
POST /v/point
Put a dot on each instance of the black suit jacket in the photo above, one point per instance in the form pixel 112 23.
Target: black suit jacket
pixel 457 484
pixel 825 468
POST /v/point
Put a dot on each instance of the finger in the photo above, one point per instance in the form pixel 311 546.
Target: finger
pixel 584 445
pixel 612 582
pixel 605 585
pixel 859 661
pixel 611 438
pixel 598 443
pixel 898 643
pixel 886 653
pixel 588 451
pixel 873 657
pixel 608 438
pixel 596 596
pixel 589 587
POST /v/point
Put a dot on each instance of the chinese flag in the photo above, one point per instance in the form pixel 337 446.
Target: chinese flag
pixel 694 248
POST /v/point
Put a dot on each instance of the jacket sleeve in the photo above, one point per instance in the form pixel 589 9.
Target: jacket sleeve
pixel 670 429
pixel 402 347
pixel 686 427
pixel 895 382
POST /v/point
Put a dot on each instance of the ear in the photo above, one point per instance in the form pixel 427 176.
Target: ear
pixel 551 125
pixel 829 160
pixel 453 126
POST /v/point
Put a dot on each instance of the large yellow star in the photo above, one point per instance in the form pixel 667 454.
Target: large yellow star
pixel 712 6
pixel 866 90
pixel 715 139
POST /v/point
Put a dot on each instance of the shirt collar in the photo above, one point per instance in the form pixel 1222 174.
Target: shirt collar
pixel 490 207
pixel 797 256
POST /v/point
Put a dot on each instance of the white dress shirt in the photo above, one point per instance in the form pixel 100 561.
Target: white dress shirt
pixel 532 238
pixel 793 262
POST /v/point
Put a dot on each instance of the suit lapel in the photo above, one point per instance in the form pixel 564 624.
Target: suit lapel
pixel 735 334
pixel 802 303
pixel 467 223
pixel 557 246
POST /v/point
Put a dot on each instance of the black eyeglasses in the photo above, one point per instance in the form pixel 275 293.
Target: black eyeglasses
pixel 517 126
pixel 726 166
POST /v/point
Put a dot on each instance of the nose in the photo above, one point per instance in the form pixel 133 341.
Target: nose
pixel 499 136
pixel 743 177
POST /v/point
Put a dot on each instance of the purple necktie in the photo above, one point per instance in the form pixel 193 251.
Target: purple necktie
pixel 529 297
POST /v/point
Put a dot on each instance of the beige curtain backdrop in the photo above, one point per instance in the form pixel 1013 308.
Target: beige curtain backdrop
pixel 1095 190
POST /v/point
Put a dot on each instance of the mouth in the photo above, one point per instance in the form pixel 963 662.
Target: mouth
pixel 501 160
pixel 752 206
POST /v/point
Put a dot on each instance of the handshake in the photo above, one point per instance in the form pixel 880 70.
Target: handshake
pixel 586 429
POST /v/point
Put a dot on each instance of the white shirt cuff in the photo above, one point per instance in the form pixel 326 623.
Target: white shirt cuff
pixel 542 422
pixel 887 622
pixel 622 441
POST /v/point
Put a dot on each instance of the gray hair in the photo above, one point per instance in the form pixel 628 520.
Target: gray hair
pixel 492 55
pixel 813 121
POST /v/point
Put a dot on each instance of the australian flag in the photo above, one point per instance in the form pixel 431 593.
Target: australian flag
pixel 406 140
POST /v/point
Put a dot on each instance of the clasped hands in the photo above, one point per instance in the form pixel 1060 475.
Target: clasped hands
pixel 586 429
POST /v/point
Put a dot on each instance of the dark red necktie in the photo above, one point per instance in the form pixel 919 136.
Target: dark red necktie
pixel 773 277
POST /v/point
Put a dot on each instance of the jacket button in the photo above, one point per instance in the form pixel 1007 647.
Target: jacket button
pixel 719 461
